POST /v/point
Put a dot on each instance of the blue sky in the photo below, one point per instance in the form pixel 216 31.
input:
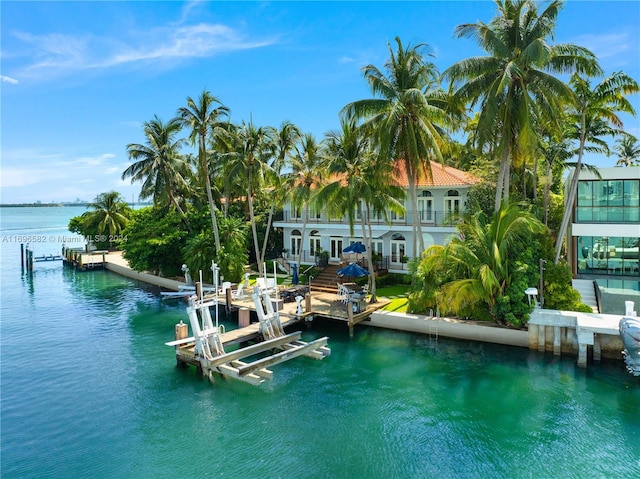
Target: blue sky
pixel 80 78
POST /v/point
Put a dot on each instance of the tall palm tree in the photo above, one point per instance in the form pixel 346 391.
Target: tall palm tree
pixel 110 214
pixel 628 150
pixel 514 85
pixel 308 172
pixel 284 142
pixel 406 116
pixel 159 165
pixel 594 115
pixel 249 160
pixel 476 265
pixel 360 184
pixel 203 117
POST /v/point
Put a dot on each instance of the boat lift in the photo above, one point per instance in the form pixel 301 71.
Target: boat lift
pixel 206 347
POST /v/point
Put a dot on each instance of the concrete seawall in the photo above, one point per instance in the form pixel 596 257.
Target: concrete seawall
pixel 116 263
pixel 450 328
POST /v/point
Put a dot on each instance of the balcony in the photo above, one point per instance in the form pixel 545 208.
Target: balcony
pixel 436 218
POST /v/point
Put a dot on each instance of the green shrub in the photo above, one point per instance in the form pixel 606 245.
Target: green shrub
pixel 558 292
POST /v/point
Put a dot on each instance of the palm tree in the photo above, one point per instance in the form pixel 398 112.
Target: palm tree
pixel 514 85
pixel 159 165
pixel 308 172
pixel 249 160
pixel 628 150
pixel 359 180
pixel 203 117
pixel 476 266
pixel 284 142
pixel 406 116
pixel 594 115
pixel 110 214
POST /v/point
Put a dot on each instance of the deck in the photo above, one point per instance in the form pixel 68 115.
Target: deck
pixel 322 304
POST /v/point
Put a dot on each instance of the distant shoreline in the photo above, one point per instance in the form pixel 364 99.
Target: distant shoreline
pixel 39 205
pixel 54 205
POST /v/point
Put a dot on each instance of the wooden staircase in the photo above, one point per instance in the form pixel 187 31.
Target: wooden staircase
pixel 327 280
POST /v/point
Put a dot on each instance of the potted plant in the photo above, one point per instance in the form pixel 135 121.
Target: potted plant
pixel 322 258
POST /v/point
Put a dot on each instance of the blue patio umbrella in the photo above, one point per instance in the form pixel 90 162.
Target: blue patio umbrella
pixel 295 279
pixel 357 247
pixel 353 270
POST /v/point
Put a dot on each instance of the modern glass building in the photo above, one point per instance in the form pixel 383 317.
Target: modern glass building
pixel 604 237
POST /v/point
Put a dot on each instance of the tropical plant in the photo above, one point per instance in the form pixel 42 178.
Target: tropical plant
pixel 628 150
pixel 249 160
pixel 559 294
pixel 514 85
pixel 203 118
pixel 406 116
pixel 284 143
pixel 594 116
pixel 155 239
pixel 308 172
pixel 104 224
pixel 476 272
pixel 199 252
pixel 159 165
pixel 359 185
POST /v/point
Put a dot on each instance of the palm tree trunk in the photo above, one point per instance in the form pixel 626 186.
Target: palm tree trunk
pixel 212 210
pixel 573 190
pixel 263 253
pixel 418 240
pixel 182 214
pixel 204 166
pixel 547 187
pixel 534 193
pixel 502 187
pixel 304 228
pixel 367 237
pixel 253 223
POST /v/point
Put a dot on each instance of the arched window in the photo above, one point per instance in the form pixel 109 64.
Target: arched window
pixel 452 204
pixel 296 240
pixel 425 207
pixel 398 247
pixel 314 243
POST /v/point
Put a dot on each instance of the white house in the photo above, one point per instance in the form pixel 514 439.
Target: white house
pixel 438 198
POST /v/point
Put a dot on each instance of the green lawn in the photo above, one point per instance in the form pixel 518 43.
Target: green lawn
pixel 398 296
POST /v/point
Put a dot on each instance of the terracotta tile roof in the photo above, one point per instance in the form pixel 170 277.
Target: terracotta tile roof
pixel 441 176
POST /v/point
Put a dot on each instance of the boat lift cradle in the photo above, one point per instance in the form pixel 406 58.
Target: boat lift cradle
pixel 209 350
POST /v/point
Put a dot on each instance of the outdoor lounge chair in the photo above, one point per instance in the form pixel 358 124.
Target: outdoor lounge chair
pixel 238 293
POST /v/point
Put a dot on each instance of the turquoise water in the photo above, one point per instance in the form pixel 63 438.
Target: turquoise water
pixel 90 390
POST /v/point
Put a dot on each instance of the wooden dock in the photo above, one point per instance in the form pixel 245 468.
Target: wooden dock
pixel 79 259
pixel 321 304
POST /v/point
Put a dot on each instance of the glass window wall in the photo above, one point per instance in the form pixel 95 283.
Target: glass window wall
pixel 608 255
pixel 612 201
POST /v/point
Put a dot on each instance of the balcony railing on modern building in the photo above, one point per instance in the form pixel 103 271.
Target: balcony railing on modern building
pixel 433 218
pixel 607 214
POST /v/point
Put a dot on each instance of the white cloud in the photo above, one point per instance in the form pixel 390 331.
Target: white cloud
pixel 608 45
pixel 19 177
pixel 7 79
pixel 28 167
pixel 66 54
